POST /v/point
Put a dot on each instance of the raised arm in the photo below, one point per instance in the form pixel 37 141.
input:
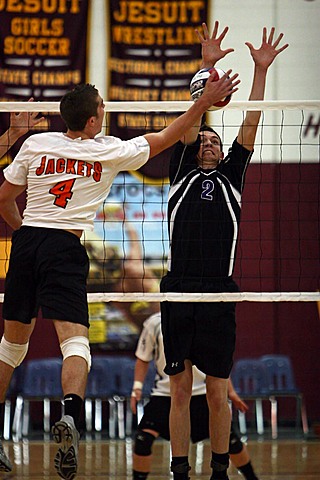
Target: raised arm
pixel 263 58
pixel 20 123
pixel 211 53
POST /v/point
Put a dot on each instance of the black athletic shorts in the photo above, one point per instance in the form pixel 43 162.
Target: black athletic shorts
pixel 48 269
pixel 156 417
pixel 203 332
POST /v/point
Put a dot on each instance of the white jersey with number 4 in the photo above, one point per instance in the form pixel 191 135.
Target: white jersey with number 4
pixel 68 179
pixel 150 347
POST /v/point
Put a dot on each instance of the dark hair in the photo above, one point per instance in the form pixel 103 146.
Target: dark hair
pixel 205 128
pixel 78 105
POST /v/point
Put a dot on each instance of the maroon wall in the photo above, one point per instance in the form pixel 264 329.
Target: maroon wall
pixel 279 251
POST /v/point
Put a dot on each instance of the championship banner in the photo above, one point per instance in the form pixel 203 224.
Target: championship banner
pixel 43 52
pixel 154 53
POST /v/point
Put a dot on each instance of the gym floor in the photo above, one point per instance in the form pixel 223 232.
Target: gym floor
pixel 292 459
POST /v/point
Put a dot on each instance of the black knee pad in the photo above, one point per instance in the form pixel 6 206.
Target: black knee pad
pixel 143 442
pixel 235 444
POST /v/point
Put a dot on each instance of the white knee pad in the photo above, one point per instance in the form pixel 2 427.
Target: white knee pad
pixel 76 347
pixel 12 353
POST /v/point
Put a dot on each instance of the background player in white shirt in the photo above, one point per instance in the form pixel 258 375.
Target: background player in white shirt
pixel 155 421
pixel 66 177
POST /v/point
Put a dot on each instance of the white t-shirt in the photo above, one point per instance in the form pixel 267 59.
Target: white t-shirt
pixel 150 347
pixel 68 179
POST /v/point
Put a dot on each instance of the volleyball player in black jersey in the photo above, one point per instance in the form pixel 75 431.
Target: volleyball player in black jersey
pixel 203 220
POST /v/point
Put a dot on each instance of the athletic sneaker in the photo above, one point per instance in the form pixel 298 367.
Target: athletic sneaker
pixel 5 464
pixel 66 460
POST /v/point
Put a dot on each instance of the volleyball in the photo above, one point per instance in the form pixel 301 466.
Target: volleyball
pixel 198 82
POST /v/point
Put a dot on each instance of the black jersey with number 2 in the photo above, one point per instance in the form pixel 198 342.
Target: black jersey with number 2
pixel 204 213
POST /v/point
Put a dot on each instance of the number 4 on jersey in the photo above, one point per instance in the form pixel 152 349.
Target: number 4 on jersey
pixel 63 192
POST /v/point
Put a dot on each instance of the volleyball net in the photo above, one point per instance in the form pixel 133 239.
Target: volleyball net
pixel 278 247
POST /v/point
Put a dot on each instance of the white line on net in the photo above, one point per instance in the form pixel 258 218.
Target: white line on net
pixel 206 297
pixel 202 297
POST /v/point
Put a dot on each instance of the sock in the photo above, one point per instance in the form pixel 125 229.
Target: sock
pixel 1 418
pixel 139 475
pixel 219 465
pixel 247 471
pixel 180 468
pixel 72 406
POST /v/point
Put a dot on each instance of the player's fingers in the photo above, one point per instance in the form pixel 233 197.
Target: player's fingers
pixel 215 29
pixel 264 35
pixel 227 74
pixel 278 40
pixel 270 39
pixel 228 50
pixel 250 46
pixel 200 37
pixel 283 48
pixel 223 34
pixel 236 75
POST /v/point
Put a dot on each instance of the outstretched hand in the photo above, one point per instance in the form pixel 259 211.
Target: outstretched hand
pixel 264 56
pixel 211 50
pixel 22 122
pixel 216 90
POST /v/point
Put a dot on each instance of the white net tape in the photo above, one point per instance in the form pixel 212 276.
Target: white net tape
pixel 207 297
pixel 202 297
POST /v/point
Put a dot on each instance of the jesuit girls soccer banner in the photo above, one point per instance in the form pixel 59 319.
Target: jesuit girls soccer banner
pixel 154 52
pixel 43 48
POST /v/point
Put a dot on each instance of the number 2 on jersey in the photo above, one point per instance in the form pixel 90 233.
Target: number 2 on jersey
pixel 63 192
pixel 208 187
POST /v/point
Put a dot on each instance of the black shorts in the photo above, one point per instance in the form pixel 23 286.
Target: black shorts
pixel 156 417
pixel 48 269
pixel 203 332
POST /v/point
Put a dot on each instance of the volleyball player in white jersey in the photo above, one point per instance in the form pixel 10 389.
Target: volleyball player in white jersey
pixel 155 420
pixel 66 177
pixel 203 221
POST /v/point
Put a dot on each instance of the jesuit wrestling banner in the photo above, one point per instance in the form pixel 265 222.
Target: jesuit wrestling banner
pixel 154 52
pixel 43 52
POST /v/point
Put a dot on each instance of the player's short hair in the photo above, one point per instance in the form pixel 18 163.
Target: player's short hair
pixel 78 105
pixel 206 128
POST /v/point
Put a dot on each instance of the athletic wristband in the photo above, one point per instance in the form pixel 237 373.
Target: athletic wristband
pixel 137 385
